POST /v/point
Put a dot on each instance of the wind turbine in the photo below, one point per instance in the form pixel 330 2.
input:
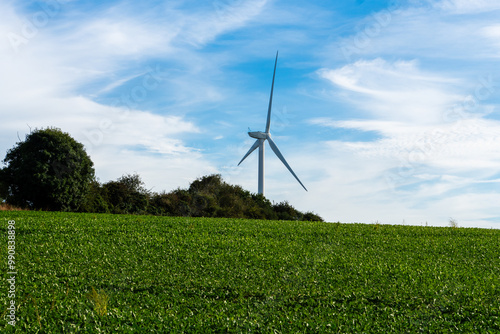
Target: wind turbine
pixel 262 137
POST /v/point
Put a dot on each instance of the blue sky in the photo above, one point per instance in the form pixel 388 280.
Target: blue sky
pixel 388 111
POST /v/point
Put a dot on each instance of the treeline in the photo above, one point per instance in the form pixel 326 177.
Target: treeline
pixel 208 196
pixel 51 171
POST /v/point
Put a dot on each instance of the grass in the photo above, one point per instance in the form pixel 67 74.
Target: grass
pixel 91 273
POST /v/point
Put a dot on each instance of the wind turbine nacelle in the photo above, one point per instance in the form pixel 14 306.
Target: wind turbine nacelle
pixel 258 135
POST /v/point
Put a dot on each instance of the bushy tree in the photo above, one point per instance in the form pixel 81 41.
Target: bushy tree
pixel 207 184
pixel 126 195
pixel 210 196
pixel 95 200
pixel 311 216
pixel 174 203
pixel 285 211
pixel 49 170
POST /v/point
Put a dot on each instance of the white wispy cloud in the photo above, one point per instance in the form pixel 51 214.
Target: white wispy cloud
pixel 438 30
pixel 467 7
pixel 204 26
pixel 45 72
pixel 436 149
pixel 395 91
pixel 42 77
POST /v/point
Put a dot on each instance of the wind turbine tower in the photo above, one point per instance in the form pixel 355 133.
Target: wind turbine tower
pixel 261 137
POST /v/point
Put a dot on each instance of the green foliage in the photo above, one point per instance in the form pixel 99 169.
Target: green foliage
pixel 210 196
pixel 287 212
pixel 175 203
pixel 95 200
pixel 126 195
pixel 312 217
pixel 205 275
pixel 49 171
pixel 4 188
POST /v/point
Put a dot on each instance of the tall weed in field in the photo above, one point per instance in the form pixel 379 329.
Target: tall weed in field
pixel 100 300
pixel 453 223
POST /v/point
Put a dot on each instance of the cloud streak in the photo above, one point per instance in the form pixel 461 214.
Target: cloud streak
pixel 40 87
pixel 437 148
pixel 395 91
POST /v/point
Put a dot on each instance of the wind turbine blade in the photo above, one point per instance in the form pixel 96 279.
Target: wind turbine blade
pixel 268 124
pixel 254 146
pixel 280 156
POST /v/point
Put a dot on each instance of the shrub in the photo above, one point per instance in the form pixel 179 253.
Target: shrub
pixel 310 216
pixel 95 200
pixel 48 170
pixel 126 195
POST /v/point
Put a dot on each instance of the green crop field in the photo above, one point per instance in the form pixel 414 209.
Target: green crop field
pixel 90 273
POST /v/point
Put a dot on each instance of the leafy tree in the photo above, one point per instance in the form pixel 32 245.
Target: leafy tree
pixel 96 199
pixel 127 194
pixel 311 216
pixel 49 170
pixel 4 189
pixel 179 203
pixel 133 183
pixel 286 211
pixel 261 208
pixel 207 184
pixel 210 196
